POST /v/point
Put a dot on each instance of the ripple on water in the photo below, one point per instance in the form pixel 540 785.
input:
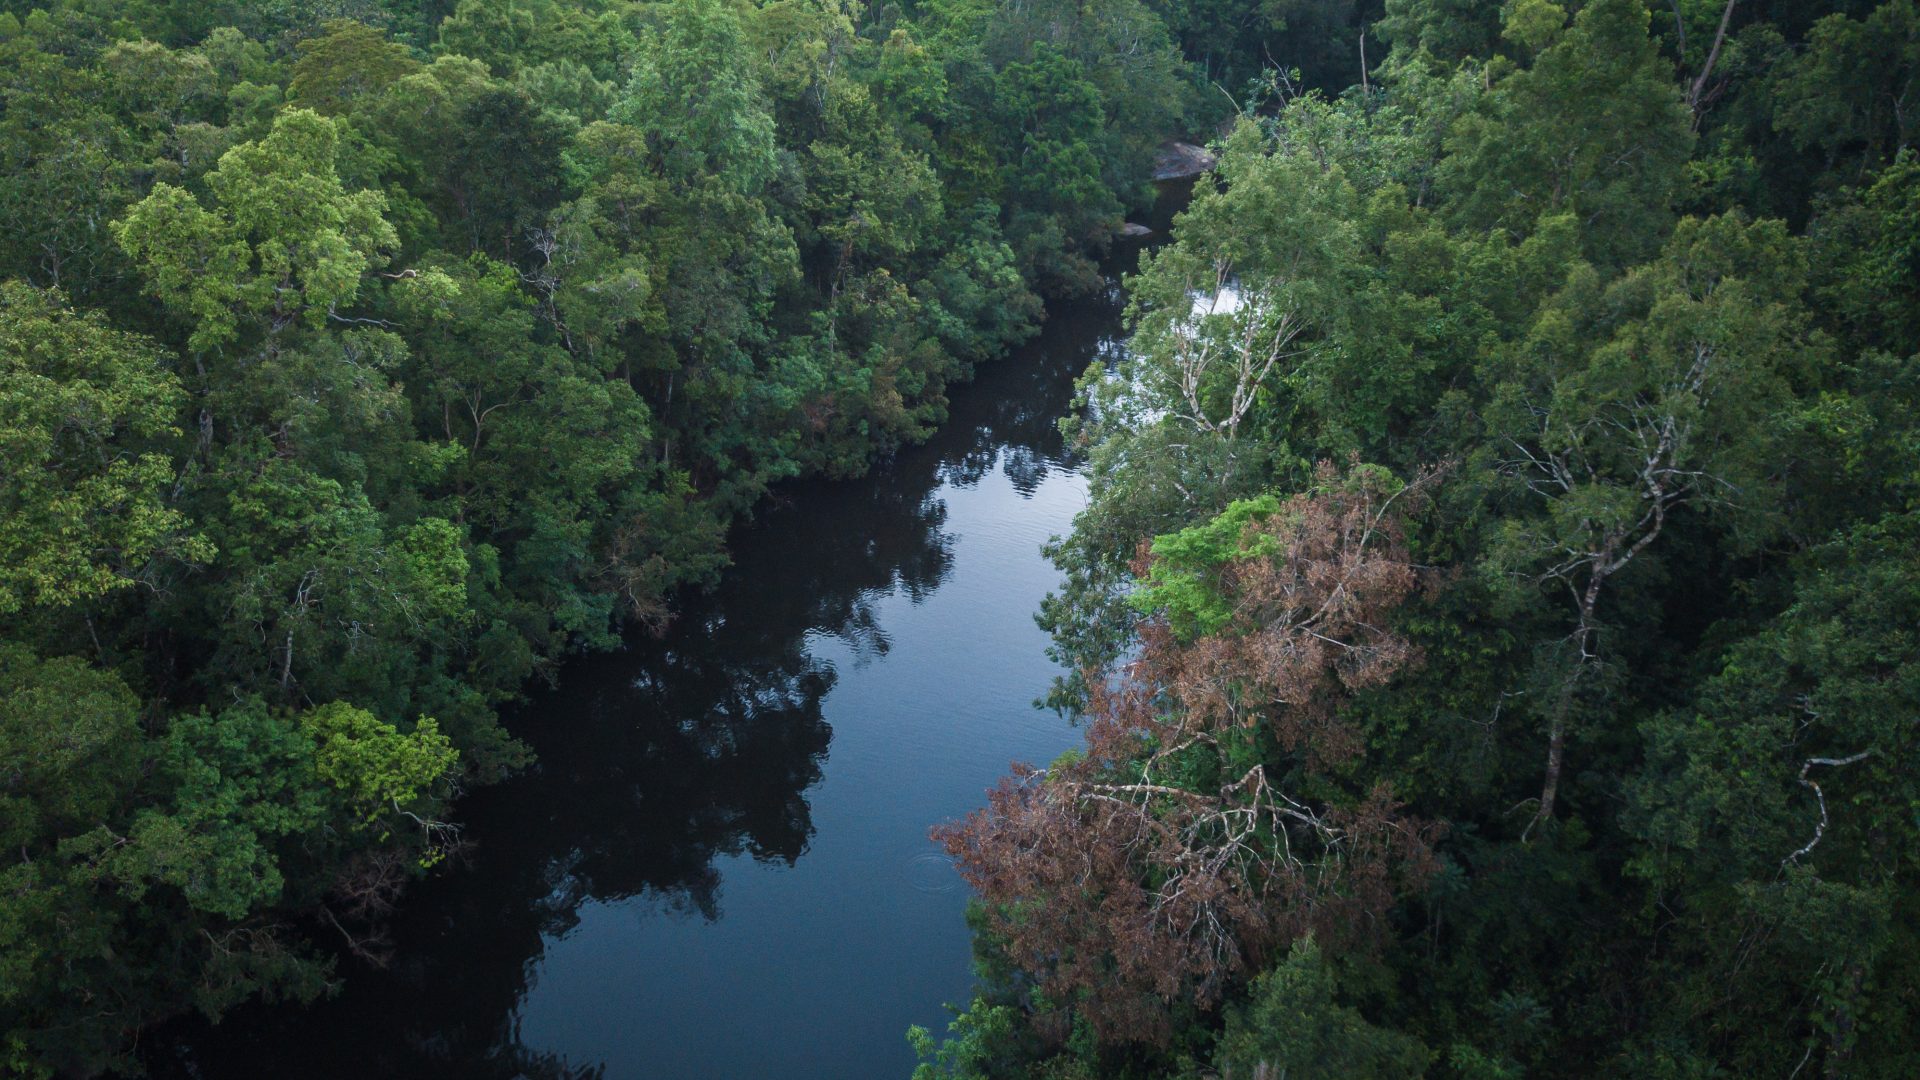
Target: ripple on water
pixel 932 872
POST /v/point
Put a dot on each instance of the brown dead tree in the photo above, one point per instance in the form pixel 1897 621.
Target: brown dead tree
pixel 1201 829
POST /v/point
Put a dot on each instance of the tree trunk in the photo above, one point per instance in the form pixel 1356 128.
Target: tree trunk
pixel 1556 755
pixel 1698 89
pixel 1563 706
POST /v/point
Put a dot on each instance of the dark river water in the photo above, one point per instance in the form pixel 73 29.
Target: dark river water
pixel 720 866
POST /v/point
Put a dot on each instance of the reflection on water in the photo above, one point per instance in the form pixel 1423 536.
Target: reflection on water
pixel 720 865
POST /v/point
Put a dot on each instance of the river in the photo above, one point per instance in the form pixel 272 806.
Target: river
pixel 720 867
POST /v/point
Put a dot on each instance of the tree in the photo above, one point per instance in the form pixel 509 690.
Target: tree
pixel 1867 256
pixel 85 413
pixel 496 32
pixel 474 161
pixel 70 741
pixel 1232 313
pixel 1772 811
pixel 242 786
pixel 323 598
pixel 132 858
pixel 1593 127
pixel 70 751
pixel 696 94
pixel 349 62
pixel 1613 424
pixel 284 242
pixel 374 769
pixel 1293 1025
pixel 1851 93
pixel 1203 826
pixel 1449 31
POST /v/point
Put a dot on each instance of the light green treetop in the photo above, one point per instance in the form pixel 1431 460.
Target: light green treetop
pixel 282 242
pixel 84 506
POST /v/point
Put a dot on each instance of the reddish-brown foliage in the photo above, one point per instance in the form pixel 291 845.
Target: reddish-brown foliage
pixel 1202 828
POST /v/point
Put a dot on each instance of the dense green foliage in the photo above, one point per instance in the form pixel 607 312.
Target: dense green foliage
pixel 1495 614
pixel 1627 291
pixel 361 360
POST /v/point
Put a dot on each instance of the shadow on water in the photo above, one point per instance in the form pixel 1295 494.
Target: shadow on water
pixel 661 762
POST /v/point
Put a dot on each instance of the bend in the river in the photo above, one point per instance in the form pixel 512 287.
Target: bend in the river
pixel 720 866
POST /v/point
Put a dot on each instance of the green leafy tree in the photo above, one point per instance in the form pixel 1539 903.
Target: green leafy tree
pixel 70 165
pixel 1627 404
pixel 1235 311
pixel 324 598
pixel 242 782
pixel 1592 126
pixel 349 62
pixel 376 770
pixel 70 741
pixel 696 94
pixel 1852 91
pixel 1777 810
pixel 284 242
pixel 85 414
pixel 1293 1025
